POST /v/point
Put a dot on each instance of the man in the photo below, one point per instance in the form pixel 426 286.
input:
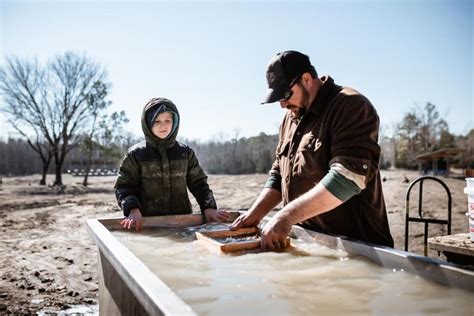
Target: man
pixel 326 168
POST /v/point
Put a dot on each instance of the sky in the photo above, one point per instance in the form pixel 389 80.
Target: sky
pixel 210 57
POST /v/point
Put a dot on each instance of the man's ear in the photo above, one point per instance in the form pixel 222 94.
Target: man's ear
pixel 306 79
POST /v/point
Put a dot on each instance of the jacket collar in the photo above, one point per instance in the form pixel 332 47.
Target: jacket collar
pixel 326 93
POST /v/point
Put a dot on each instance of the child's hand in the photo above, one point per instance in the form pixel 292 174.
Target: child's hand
pixel 213 215
pixel 134 218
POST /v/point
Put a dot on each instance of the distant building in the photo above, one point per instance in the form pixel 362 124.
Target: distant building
pixel 437 162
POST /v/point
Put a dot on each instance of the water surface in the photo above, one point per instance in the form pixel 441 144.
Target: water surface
pixel 308 279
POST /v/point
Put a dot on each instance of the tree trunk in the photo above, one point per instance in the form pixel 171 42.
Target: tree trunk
pixel 88 167
pixel 88 164
pixel 44 171
pixel 84 183
pixel 43 174
pixel 58 170
pixel 59 176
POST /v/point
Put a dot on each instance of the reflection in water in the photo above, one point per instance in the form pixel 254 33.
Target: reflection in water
pixel 306 279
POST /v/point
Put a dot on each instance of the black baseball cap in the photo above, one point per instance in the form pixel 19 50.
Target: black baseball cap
pixel 283 71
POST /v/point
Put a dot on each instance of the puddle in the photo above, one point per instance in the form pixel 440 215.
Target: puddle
pixel 90 310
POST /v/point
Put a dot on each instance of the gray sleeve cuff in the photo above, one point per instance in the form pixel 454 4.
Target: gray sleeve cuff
pixel 339 186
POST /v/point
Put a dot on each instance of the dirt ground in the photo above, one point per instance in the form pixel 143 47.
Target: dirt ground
pixel 48 262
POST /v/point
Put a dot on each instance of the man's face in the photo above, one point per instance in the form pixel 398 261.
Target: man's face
pixel 298 102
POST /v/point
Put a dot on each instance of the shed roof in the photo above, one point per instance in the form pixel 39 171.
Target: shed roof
pixel 440 153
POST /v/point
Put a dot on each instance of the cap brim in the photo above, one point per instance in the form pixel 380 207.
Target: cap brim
pixel 272 96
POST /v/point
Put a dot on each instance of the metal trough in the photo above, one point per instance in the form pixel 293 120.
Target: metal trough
pixel 128 287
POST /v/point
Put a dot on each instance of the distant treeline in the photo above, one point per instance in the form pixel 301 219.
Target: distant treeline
pixel 235 156
pixel 17 158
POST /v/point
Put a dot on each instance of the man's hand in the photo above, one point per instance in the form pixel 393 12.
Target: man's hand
pixel 275 232
pixel 213 215
pixel 248 219
pixel 134 218
pixel 265 202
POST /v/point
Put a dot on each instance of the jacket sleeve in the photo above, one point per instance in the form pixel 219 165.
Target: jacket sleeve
pixel 274 176
pixel 127 185
pixel 197 183
pixel 355 136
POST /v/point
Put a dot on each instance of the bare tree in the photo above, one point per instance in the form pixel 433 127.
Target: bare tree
pixel 466 158
pixel 52 100
pixel 421 130
pixel 111 136
pixel 408 133
pixel 97 103
pixel 21 82
pixel 432 127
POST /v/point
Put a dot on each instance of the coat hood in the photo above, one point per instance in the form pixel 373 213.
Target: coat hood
pixel 159 105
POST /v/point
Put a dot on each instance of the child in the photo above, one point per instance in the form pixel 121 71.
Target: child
pixel 155 174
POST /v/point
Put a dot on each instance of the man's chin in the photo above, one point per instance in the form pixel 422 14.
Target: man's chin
pixel 296 112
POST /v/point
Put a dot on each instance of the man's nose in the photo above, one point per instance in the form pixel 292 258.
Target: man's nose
pixel 283 104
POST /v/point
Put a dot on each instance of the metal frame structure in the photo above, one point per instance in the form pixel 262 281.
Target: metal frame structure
pixel 420 219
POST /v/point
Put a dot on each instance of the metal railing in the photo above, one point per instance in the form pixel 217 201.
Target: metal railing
pixel 420 219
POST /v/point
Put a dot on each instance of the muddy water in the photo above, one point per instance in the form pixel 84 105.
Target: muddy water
pixel 306 280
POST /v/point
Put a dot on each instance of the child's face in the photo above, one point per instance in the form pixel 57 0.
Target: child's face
pixel 163 125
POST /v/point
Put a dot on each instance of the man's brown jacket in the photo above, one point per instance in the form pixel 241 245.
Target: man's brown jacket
pixel 340 126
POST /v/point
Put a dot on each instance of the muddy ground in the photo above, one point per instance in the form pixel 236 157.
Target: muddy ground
pixel 48 262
